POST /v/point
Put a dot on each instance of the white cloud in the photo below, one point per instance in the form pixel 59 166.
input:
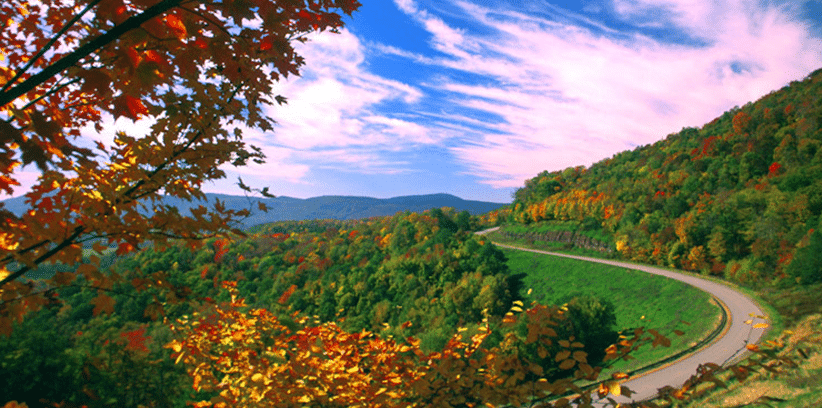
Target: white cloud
pixel 332 118
pixel 568 95
pixel 407 6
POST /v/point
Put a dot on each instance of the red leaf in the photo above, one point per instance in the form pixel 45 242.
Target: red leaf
pixel 154 56
pixel 130 107
pixel 124 248
pixel 200 43
pixel 287 294
pixel 136 339
pixel 774 168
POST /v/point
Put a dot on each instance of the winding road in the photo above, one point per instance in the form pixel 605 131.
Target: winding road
pixel 727 348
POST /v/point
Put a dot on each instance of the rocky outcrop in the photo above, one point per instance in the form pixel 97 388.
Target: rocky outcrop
pixel 570 238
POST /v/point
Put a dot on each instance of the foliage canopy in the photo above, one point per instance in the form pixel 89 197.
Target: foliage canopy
pixel 196 72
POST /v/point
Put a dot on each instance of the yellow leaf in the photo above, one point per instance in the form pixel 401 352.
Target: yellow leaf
pixel 760 325
pixel 257 377
pixel 615 388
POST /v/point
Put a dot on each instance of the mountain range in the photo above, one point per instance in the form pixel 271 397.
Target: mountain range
pixel 324 207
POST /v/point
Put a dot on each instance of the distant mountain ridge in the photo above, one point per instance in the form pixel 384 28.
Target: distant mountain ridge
pixel 323 207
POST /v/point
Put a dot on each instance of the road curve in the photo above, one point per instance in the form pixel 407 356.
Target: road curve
pixel 727 348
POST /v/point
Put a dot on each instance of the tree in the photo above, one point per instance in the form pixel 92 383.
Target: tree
pixel 198 72
pixel 251 358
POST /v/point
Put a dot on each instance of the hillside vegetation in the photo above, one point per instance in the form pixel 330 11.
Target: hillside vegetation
pixel 739 197
pixel 419 277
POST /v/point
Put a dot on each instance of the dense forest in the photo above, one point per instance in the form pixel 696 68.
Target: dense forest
pixel 410 276
pixel 740 197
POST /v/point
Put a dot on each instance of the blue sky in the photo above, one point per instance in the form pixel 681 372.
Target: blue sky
pixel 473 97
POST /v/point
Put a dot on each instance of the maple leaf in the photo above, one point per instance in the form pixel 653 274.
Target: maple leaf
pixel 102 303
pixel 176 26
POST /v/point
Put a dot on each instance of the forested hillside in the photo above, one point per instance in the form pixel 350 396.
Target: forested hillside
pixel 426 269
pixel 740 197
pixel 412 276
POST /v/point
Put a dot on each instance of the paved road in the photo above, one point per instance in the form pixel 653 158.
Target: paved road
pixel 727 348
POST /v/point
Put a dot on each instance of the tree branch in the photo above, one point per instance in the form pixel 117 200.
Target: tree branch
pixel 37 79
pixel 48 46
pixel 62 245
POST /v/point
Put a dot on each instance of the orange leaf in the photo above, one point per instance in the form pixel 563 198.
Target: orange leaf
pixel 567 364
pixel 6 183
pixel 176 26
pixel 133 57
pixel 135 107
pixel 102 303
pixel 63 278
pixel 124 248
pixel 154 56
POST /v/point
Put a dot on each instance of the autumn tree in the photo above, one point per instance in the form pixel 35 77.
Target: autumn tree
pixel 252 358
pixel 196 73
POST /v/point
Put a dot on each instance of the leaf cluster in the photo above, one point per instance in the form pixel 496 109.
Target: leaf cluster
pixel 253 359
pixel 193 74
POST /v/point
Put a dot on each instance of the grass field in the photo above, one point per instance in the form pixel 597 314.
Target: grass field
pixel 640 299
pixel 795 317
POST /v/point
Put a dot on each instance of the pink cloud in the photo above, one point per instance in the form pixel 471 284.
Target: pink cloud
pixel 572 96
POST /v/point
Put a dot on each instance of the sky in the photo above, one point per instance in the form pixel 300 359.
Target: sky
pixel 473 97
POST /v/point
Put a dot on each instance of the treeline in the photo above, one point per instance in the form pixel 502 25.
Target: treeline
pixel 740 196
pixel 407 276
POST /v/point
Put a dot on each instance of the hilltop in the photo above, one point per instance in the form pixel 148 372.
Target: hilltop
pixel 739 197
